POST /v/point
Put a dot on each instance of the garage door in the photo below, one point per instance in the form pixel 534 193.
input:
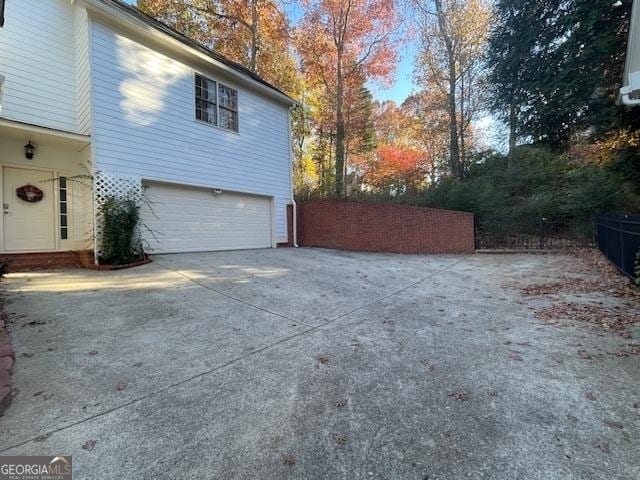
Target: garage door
pixel 186 219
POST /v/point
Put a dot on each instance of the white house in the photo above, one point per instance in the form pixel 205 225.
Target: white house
pixel 112 100
pixel 630 90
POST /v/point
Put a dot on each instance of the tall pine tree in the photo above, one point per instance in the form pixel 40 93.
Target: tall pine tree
pixel 556 65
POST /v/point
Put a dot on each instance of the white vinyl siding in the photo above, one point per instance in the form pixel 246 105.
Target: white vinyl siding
pixel 38 61
pixel 83 106
pixel 185 219
pixel 143 108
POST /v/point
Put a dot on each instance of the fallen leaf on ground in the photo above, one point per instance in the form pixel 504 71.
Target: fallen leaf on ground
pixel 341 439
pixel 514 356
pixel 613 424
pixel 605 317
pixel 42 438
pixel 428 366
pixel 584 354
pixel 459 395
pixel 89 445
pixel 602 446
pixel 602 277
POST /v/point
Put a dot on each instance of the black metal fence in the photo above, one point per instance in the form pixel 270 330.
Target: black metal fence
pixel 544 233
pixel 619 239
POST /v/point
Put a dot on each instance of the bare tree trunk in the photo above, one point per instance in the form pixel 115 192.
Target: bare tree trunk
pixel 462 130
pixel 330 164
pixel 253 59
pixel 340 128
pixel 454 151
pixel 512 132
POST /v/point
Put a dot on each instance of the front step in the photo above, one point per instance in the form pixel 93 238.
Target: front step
pixel 22 262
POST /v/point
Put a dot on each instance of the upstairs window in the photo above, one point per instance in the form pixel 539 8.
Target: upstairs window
pixel 206 100
pixel 216 103
pixel 228 107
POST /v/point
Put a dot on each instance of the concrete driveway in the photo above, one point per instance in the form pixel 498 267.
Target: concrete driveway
pixel 316 364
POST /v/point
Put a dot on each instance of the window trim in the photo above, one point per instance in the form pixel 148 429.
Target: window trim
pixel 197 74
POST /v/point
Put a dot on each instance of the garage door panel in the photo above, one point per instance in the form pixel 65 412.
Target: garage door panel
pixel 192 219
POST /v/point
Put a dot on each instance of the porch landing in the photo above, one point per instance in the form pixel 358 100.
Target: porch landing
pixel 21 262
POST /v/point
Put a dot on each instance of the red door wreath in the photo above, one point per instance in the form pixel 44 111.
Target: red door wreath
pixel 29 193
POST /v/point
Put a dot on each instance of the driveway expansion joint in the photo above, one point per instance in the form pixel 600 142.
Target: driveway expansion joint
pixel 239 300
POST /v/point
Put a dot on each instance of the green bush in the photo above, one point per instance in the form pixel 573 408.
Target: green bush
pixel 535 183
pixel 119 240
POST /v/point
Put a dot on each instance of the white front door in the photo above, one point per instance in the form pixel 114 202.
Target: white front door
pixel 28 225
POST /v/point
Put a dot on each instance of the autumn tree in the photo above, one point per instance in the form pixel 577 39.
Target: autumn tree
pixel 428 127
pixel 453 35
pixel 401 163
pixel 253 33
pixel 343 43
pixel 360 124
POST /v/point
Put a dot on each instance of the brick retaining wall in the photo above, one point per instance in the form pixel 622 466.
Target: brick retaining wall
pixel 375 227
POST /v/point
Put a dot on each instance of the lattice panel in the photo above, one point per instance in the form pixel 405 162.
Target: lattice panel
pixel 108 184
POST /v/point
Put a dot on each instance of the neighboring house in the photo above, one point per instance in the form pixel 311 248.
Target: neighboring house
pixel 630 91
pixel 113 101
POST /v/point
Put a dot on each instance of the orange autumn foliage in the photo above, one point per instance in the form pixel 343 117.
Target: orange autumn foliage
pixel 396 168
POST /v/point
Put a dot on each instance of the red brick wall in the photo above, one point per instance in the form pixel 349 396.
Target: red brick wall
pixel 374 227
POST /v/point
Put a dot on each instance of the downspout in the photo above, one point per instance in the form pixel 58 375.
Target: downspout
pixel 294 215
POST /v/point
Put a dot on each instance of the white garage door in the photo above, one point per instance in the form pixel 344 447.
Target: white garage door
pixel 186 219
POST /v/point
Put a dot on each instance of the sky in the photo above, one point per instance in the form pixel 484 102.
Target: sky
pixel 403 81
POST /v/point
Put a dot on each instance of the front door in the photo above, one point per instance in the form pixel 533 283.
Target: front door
pixel 28 225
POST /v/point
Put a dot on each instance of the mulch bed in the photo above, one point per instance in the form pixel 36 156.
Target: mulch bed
pixel 93 266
